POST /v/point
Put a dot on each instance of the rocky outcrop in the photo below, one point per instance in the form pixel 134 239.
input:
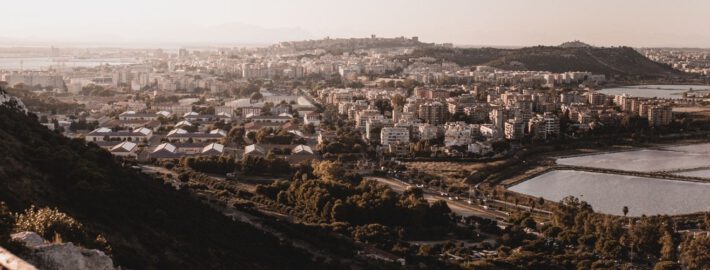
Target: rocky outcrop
pixel 8 100
pixel 61 256
pixel 11 262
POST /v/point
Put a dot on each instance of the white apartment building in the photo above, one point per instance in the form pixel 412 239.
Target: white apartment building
pixel 391 135
pixel 514 129
pixel 660 115
pixel 544 126
pixel 459 133
pixel 361 117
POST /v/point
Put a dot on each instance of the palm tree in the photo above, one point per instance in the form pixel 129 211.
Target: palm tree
pixel 626 211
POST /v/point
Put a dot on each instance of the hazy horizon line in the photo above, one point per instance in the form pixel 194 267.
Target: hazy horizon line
pixel 20 43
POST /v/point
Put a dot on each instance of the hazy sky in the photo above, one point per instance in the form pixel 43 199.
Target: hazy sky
pixel 463 22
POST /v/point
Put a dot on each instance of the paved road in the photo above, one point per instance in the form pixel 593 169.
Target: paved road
pixel 149 169
pixel 458 207
pixel 520 206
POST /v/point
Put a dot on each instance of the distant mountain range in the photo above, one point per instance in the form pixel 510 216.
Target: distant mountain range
pixel 570 56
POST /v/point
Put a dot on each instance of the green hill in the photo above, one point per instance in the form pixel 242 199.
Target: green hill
pixel 612 61
pixel 148 224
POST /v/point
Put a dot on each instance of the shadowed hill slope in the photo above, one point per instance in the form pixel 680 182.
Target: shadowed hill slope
pixel 147 224
pixel 612 61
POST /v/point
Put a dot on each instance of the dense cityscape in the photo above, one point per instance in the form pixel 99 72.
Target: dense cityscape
pixel 354 153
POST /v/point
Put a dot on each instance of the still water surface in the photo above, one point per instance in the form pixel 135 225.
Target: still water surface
pixel 650 91
pixel 609 193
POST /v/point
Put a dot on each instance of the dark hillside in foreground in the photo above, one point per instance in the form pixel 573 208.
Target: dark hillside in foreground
pixel 610 61
pixel 147 224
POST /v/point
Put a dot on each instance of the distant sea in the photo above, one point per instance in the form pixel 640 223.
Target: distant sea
pixel 44 63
